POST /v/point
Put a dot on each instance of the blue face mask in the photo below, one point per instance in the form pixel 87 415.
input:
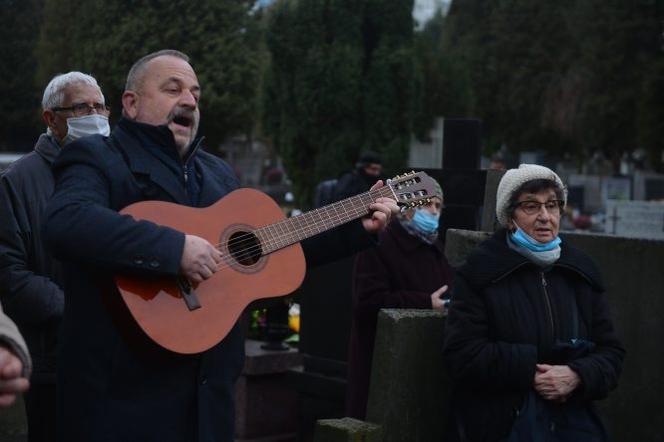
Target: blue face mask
pixel 425 221
pixel 522 239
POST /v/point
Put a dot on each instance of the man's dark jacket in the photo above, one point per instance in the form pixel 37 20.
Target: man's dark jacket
pixel 30 280
pixel 401 272
pixel 353 183
pixel 505 317
pixel 114 383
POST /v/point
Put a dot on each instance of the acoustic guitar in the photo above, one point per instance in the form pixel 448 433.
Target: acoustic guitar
pixel 262 258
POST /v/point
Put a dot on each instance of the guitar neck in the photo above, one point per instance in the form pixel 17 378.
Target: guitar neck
pixel 293 230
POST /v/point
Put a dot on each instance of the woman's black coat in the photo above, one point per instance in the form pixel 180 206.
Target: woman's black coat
pixel 505 317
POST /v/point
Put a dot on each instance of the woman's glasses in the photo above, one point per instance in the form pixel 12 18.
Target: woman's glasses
pixel 532 207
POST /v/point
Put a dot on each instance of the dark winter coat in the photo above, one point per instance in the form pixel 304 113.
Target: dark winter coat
pixel 353 183
pixel 506 316
pixel 401 272
pixel 115 384
pixel 30 279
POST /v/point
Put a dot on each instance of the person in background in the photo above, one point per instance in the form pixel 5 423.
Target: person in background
pixel 529 341
pixel 114 384
pixel 15 363
pixel 367 171
pixel 31 282
pixel 498 162
pixel 408 269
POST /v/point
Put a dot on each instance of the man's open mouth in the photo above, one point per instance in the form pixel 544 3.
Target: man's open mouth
pixel 182 120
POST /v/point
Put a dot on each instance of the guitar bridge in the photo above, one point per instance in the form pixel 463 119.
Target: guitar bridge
pixel 188 294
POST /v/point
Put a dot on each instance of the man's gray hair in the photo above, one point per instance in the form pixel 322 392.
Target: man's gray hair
pixel 54 94
pixel 137 71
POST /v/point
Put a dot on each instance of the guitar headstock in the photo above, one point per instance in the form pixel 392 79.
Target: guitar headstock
pixel 413 189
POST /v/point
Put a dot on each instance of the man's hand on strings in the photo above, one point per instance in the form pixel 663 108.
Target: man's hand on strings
pixel 381 211
pixel 200 259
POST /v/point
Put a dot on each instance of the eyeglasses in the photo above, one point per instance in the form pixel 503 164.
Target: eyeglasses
pixel 82 109
pixel 533 207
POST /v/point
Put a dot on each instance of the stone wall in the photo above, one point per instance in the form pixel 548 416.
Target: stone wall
pixel 409 389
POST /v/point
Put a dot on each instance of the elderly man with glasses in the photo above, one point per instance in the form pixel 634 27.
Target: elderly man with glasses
pixel 31 280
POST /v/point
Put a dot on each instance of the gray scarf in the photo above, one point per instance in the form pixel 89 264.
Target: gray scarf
pixel 542 259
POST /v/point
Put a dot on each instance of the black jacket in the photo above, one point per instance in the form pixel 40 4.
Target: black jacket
pixel 353 183
pixel 113 383
pixel 506 316
pixel 30 279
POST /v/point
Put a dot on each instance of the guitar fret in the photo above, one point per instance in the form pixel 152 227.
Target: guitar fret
pixel 319 228
pixel 292 230
pixel 280 230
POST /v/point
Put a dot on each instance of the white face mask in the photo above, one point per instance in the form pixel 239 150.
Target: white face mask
pixel 78 127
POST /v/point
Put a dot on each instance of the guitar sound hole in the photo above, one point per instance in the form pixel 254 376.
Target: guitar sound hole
pixel 245 248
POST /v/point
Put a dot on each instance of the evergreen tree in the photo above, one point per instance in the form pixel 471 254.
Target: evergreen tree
pixel 650 123
pixel 610 53
pixel 340 80
pixel 566 76
pixel 20 99
pixel 105 37
pixel 442 87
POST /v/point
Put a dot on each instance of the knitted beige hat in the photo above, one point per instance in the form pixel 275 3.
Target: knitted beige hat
pixel 515 178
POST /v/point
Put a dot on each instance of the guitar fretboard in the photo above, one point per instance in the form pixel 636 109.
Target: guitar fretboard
pixel 292 230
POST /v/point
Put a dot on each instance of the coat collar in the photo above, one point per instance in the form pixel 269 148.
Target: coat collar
pixel 47 148
pixel 408 242
pixel 150 150
pixel 494 259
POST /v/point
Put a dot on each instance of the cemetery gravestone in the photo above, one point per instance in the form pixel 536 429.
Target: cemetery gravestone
pixel 635 219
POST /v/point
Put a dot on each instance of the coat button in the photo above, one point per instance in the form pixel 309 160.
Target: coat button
pixel 203 381
pixel 154 264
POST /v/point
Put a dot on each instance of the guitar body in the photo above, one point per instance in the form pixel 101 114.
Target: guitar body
pixel 157 304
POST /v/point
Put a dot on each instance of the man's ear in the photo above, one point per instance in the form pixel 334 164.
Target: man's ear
pixel 130 104
pixel 49 118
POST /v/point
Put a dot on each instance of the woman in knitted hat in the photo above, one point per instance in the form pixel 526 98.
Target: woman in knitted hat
pixel 528 340
pixel 407 269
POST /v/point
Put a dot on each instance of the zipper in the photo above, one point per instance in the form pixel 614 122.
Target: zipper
pixel 547 302
pixel 185 175
pixel 185 162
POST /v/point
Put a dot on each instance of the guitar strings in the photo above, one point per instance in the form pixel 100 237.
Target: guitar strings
pixel 315 212
pixel 365 199
pixel 256 245
pixel 250 251
pixel 294 233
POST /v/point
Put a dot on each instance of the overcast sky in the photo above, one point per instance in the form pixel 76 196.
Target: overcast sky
pixel 424 9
